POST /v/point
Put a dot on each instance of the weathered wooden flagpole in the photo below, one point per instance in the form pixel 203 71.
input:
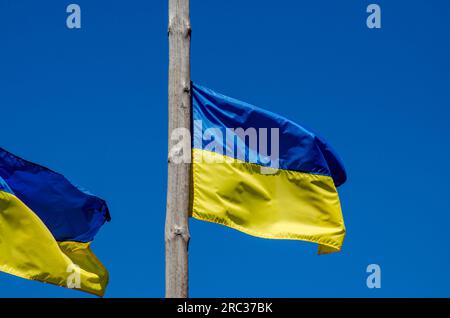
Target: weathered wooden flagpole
pixel 177 214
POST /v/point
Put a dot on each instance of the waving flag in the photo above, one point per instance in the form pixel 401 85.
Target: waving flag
pixel 262 174
pixel 46 226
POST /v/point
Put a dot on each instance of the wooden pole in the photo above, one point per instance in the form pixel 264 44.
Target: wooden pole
pixel 177 214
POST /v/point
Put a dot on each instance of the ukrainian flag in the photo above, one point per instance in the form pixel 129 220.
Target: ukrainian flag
pixel 262 174
pixel 47 225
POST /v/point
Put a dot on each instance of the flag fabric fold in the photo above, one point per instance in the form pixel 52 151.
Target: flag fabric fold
pixel 262 174
pixel 47 225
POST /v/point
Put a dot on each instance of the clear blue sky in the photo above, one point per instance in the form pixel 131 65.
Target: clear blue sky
pixel 92 104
